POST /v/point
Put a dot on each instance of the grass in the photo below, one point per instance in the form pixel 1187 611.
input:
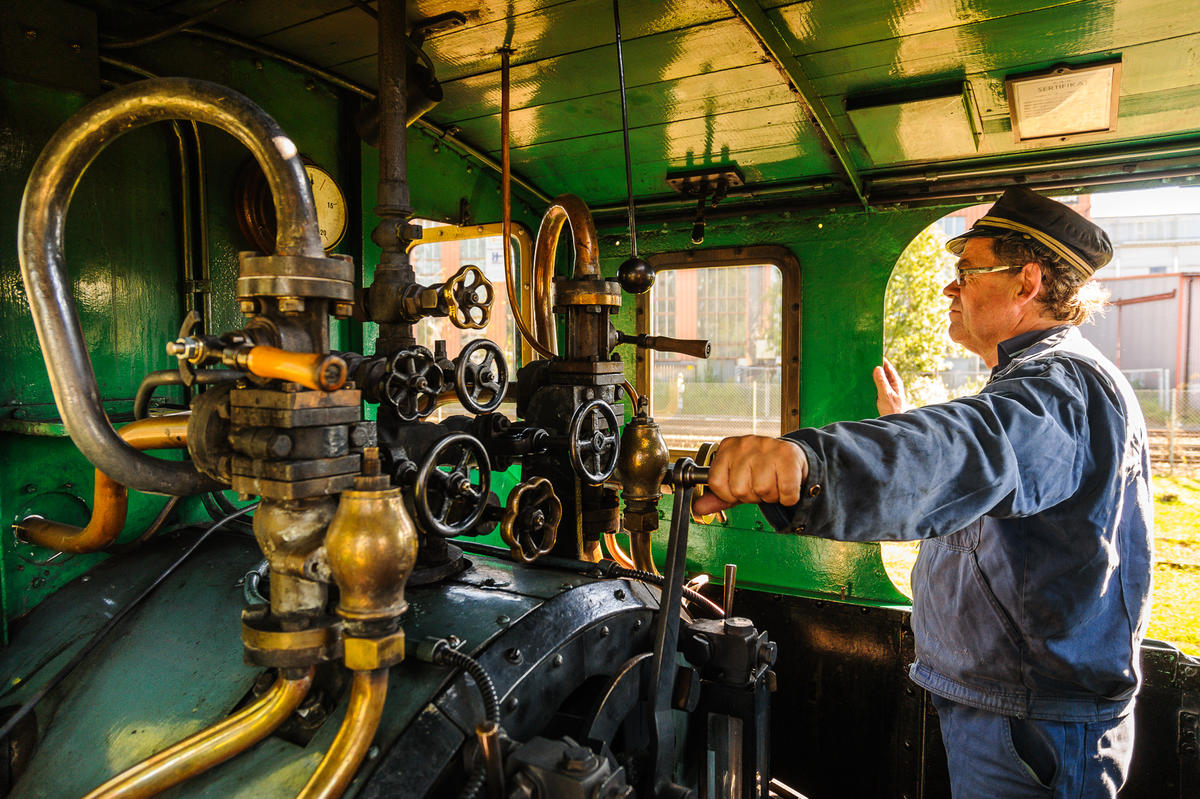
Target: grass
pixel 1174 614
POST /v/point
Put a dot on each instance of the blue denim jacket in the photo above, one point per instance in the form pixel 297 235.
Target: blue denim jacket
pixel 1031 590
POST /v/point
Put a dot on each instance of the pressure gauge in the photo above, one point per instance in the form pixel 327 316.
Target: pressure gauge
pixel 331 205
pixel 255 208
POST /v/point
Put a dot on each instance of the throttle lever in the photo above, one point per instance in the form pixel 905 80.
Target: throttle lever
pixel 695 347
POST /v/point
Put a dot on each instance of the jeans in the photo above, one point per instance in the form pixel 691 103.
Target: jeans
pixel 1005 757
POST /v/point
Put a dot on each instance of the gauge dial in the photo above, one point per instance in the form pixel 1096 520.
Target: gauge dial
pixel 331 205
pixel 255 208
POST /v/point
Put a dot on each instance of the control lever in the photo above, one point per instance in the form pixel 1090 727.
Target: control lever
pixel 315 370
pixel 695 347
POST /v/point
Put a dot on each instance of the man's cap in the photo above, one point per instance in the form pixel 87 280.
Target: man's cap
pixel 1079 241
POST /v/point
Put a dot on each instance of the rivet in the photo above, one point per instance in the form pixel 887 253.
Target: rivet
pixel 511 704
pixel 605 632
pixel 637 624
pixel 619 593
pixel 556 661
pixel 514 656
pixel 503 620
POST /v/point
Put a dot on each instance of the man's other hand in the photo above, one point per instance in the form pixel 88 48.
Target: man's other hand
pixel 890 396
pixel 753 469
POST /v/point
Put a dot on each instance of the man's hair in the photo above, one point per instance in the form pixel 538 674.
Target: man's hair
pixel 1066 295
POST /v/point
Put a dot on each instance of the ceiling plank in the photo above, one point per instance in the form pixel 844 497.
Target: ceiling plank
pixel 772 42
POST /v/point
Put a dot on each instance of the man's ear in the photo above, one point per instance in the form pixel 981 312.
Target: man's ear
pixel 1031 283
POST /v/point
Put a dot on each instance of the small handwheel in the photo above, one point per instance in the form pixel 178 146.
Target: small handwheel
pixel 413 383
pixel 480 376
pixel 466 309
pixel 445 499
pixel 592 439
pixel 530 522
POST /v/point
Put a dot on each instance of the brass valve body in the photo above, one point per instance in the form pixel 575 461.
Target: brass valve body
pixel 371 548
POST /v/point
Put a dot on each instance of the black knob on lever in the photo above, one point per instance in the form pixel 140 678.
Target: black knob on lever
pixel 636 276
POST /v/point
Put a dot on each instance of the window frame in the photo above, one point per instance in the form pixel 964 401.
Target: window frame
pixel 790 347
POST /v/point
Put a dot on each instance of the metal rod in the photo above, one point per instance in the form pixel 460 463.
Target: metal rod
pixel 41 231
pixel 625 130
pixel 727 591
pixel 165 32
pixel 488 734
pixel 211 746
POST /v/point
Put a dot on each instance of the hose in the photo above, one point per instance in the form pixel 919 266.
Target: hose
pixel 445 655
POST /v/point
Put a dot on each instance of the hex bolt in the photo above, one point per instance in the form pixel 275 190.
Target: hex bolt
pixel 291 305
pixel 248 307
pixel 343 309
pixel 30 34
pixel 619 593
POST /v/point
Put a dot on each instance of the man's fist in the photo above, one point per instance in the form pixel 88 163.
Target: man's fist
pixel 753 469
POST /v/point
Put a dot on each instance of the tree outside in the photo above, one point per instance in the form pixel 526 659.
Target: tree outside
pixel 914 326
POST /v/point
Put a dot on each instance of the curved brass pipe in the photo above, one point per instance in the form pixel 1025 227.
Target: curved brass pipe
pixel 615 552
pixel 110 500
pixel 42 223
pixel 565 208
pixel 348 749
pixel 211 746
pixel 642 551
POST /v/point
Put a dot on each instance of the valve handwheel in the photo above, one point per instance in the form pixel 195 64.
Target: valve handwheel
pixel 593 441
pixel 480 376
pixel 530 522
pixel 413 383
pixel 466 309
pixel 445 499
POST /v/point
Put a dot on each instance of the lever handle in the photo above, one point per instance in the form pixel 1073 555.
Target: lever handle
pixel 695 347
pixel 320 372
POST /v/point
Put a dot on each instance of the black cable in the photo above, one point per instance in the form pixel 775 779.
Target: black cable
pixel 446 655
pixel 123 44
pixel 111 624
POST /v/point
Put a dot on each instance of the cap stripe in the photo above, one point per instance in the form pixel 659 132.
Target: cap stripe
pixel 1061 249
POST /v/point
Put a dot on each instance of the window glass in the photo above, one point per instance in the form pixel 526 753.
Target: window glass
pixel 437 262
pixel 738 308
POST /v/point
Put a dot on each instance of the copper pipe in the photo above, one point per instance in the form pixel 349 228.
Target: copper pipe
pixel 488 734
pixel 110 500
pixel 348 749
pixel 207 748
pixel 615 552
pixel 565 208
pixel 506 206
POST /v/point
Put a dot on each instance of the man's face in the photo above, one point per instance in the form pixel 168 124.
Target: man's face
pixel 983 312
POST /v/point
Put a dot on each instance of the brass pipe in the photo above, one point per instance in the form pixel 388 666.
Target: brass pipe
pixel 615 552
pixel 506 206
pixel 42 224
pixel 566 208
pixel 207 748
pixel 488 735
pixel 641 550
pixel 367 695
pixel 110 499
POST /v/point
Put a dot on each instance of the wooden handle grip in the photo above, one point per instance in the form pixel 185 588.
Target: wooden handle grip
pixel 695 347
pixel 320 372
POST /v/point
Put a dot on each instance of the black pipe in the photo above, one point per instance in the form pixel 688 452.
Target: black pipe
pixel 43 220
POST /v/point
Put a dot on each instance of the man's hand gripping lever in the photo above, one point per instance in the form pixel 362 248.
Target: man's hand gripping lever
pixel 753 469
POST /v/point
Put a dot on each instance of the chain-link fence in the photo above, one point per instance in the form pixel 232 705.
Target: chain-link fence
pixel 1172 417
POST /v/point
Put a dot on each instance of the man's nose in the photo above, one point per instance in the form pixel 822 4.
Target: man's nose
pixel 951 289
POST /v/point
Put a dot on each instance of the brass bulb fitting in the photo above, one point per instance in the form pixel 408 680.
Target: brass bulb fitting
pixel 371 547
pixel 644 459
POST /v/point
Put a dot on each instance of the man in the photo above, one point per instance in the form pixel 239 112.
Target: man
pixel 1030 593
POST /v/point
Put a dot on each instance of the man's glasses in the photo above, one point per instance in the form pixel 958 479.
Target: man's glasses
pixel 960 274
